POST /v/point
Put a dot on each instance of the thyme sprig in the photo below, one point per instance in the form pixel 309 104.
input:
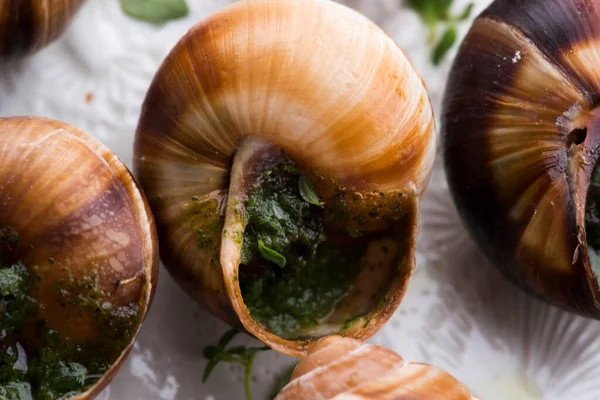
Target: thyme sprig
pixel 237 355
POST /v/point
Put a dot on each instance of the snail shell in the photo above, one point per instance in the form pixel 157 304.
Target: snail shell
pixel 85 234
pixel 311 79
pixel 26 26
pixel 521 133
pixel 345 368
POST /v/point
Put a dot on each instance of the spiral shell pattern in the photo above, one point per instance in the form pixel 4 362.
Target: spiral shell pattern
pixel 77 212
pixel 310 77
pixel 343 368
pixel 520 138
pixel 28 25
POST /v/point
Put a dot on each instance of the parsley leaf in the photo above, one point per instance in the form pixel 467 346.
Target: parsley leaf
pixel 155 11
pixel 239 355
pixel 308 193
pixel 271 255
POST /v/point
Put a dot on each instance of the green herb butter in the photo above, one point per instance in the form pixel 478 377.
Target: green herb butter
pixel 292 274
pixel 35 361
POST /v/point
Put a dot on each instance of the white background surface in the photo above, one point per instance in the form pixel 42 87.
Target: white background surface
pixel 458 314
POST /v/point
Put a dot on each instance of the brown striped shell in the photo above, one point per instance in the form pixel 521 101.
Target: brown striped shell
pixel 26 26
pixel 347 369
pixel 310 78
pixel 521 134
pixel 85 233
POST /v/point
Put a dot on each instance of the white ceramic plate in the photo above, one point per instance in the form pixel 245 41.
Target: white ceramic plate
pixel 459 314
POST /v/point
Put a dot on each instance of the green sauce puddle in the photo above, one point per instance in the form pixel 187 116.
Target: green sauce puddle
pixel 292 274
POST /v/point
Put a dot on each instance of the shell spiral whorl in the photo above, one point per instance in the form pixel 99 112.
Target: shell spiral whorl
pixel 83 233
pixel 343 368
pixel 28 25
pixel 311 79
pixel 521 139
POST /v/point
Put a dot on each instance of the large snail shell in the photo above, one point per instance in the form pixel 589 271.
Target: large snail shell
pixel 85 233
pixel 344 368
pixel 28 25
pixel 309 77
pixel 521 135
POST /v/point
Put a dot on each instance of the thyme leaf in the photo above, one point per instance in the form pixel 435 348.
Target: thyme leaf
pixel 238 355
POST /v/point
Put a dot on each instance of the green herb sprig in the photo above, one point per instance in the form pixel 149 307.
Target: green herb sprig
pixel 434 12
pixel 155 11
pixel 238 355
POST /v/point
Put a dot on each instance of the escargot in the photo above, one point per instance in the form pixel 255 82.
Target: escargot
pixel 78 261
pixel 27 26
pixel 345 368
pixel 283 146
pixel 521 131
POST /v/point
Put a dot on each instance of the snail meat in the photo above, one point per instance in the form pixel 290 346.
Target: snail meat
pixel 26 26
pixel 345 368
pixel 521 132
pixel 78 261
pixel 283 146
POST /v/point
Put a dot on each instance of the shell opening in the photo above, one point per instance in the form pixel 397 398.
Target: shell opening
pixel 304 257
pixel 592 221
pixel 78 261
pixel 588 165
pixel 576 137
pixel 39 359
